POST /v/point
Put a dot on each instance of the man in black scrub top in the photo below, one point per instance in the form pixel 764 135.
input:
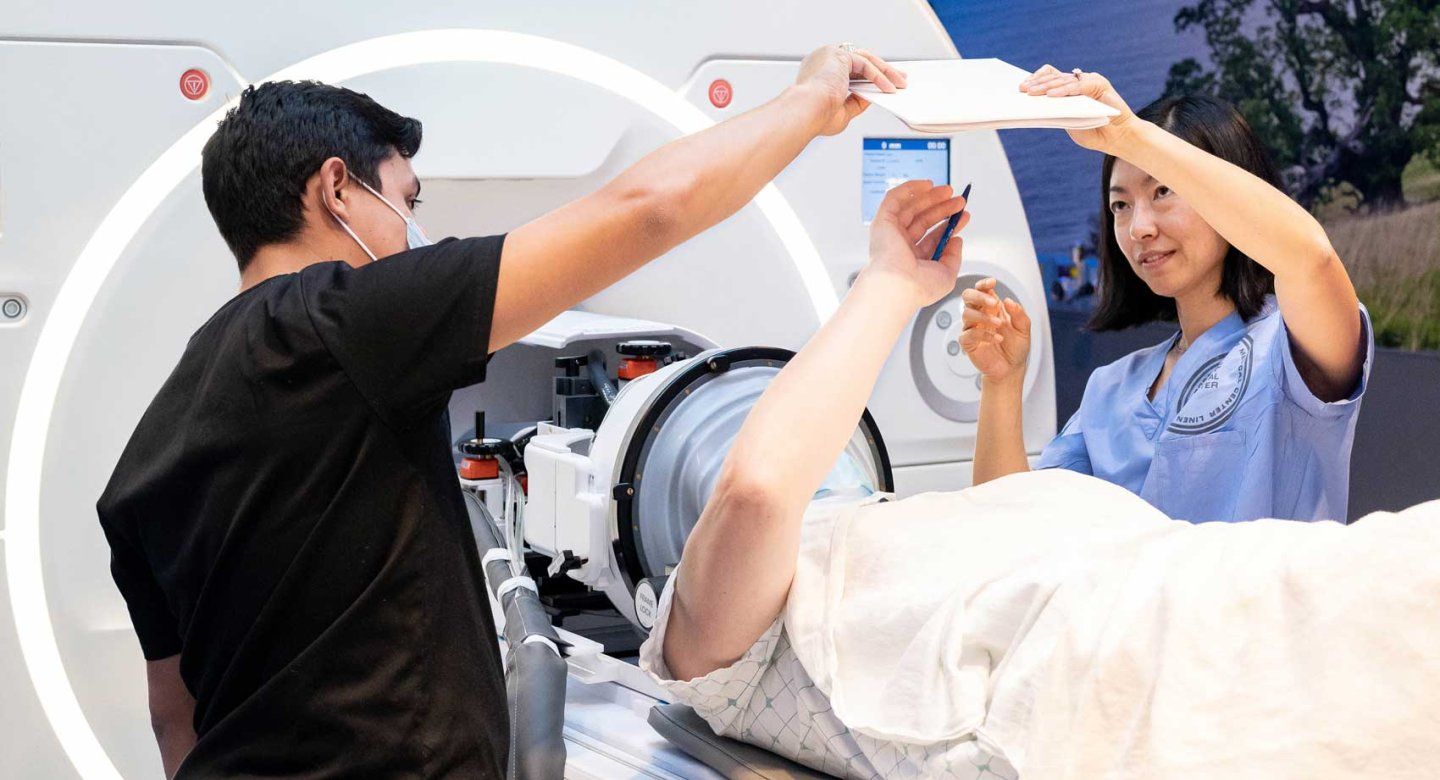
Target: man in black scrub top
pixel 285 523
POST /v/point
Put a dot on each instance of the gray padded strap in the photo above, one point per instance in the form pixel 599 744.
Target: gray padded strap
pixel 535 690
pixel 735 760
pixel 535 673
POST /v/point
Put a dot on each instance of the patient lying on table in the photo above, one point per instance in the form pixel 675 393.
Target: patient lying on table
pixel 1043 624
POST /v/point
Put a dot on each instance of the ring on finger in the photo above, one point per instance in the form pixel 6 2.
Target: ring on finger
pixel 1076 72
pixel 848 46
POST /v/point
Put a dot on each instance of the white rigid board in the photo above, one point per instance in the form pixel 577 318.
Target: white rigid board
pixel 948 96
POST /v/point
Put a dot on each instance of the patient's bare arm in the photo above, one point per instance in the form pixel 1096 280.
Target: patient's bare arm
pixel 740 558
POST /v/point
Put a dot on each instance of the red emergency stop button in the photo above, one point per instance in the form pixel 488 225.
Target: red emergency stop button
pixel 721 93
pixel 194 84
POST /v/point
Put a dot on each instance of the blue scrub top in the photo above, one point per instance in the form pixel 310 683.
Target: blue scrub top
pixel 1234 434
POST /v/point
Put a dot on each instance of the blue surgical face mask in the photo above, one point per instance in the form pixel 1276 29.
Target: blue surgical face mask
pixel 414 236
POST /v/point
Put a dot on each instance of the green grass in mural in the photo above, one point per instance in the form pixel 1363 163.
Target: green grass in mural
pixel 1405 327
pixel 1394 260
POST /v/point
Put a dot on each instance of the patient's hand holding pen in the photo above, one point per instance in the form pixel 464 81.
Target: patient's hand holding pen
pixel 950 225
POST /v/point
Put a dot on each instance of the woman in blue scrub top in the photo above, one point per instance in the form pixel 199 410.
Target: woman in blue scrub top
pixel 1249 410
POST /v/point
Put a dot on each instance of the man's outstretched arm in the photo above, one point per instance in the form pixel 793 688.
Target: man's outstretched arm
pixel 554 262
pixel 739 560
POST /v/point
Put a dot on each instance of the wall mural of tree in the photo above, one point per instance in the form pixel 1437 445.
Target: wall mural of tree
pixel 1344 93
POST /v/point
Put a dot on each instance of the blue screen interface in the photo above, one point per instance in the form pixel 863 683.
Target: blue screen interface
pixel 892 161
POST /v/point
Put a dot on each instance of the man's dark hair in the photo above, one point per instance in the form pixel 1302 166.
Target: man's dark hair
pixel 255 166
pixel 1216 127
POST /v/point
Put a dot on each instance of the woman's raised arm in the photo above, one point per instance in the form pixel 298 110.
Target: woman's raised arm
pixel 1313 290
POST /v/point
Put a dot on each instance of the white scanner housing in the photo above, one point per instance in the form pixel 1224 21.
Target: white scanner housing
pixel 526 106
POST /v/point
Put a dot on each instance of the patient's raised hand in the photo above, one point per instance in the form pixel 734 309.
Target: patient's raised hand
pixel 996 333
pixel 903 236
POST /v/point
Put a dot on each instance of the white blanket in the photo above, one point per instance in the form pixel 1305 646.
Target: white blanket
pixel 1072 628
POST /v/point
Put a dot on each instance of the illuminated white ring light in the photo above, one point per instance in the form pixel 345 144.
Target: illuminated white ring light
pixel 77 294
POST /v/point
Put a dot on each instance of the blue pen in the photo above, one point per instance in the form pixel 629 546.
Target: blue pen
pixel 950 226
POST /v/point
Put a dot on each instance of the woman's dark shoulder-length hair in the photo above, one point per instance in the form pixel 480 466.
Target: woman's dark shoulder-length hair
pixel 1216 127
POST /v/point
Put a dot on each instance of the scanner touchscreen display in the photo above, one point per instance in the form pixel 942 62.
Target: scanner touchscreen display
pixel 892 161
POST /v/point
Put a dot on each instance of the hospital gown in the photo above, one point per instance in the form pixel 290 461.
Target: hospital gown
pixel 767 699
pixel 1062 623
